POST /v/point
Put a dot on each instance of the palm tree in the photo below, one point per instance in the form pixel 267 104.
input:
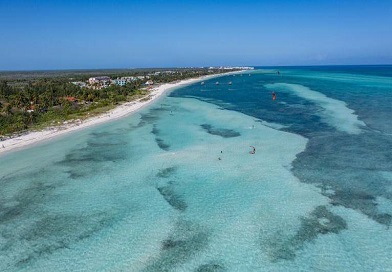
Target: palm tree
pixel 8 109
pixel 21 101
pixel 45 100
pixel 32 95
pixel 4 88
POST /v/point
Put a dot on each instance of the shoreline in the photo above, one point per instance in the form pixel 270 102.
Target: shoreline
pixel 123 110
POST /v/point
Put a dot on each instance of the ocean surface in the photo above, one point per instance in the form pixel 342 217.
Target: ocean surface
pixel 175 187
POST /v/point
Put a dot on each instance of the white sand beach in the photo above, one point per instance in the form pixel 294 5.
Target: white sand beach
pixel 32 137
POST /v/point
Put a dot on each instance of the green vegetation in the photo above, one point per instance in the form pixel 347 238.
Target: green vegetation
pixel 35 103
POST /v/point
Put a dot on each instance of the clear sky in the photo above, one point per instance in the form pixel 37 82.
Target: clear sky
pixel 69 34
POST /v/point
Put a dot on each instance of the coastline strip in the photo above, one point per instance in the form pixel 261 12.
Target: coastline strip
pixel 125 109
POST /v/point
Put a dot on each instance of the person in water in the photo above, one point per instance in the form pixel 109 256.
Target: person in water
pixel 273 96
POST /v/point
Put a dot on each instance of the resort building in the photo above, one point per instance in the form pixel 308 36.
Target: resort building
pixel 129 79
pixel 81 84
pixel 120 82
pixel 101 80
pixel 149 82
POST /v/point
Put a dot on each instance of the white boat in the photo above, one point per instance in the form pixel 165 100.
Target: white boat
pixel 230 83
pixel 202 83
pixel 217 83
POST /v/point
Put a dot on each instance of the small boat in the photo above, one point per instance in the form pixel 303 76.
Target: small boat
pixel 202 83
pixel 217 83
pixel 230 83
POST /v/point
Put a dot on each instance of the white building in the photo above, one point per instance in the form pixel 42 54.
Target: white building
pixel 120 82
pixel 81 84
pixel 129 79
pixel 101 79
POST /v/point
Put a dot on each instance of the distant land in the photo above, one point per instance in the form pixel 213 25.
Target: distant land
pixel 30 74
pixel 69 73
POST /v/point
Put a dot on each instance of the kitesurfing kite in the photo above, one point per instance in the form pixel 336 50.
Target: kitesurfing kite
pixel 253 151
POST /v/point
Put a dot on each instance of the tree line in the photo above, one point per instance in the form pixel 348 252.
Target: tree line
pixel 30 103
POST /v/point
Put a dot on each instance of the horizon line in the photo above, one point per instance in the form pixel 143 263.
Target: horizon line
pixel 186 67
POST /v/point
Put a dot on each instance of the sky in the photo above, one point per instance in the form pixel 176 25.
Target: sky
pixel 69 34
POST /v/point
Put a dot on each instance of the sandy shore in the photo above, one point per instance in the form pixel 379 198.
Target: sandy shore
pixel 125 109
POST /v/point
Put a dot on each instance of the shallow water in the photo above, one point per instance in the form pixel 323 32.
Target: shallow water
pixel 174 187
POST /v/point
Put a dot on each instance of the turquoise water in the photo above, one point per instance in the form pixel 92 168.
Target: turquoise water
pixel 174 187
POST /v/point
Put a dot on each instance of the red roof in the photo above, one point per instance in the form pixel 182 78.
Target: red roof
pixel 70 98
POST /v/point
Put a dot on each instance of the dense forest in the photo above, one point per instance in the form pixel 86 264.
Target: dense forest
pixel 35 103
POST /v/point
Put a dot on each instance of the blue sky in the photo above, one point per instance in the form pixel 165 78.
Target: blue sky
pixel 61 34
